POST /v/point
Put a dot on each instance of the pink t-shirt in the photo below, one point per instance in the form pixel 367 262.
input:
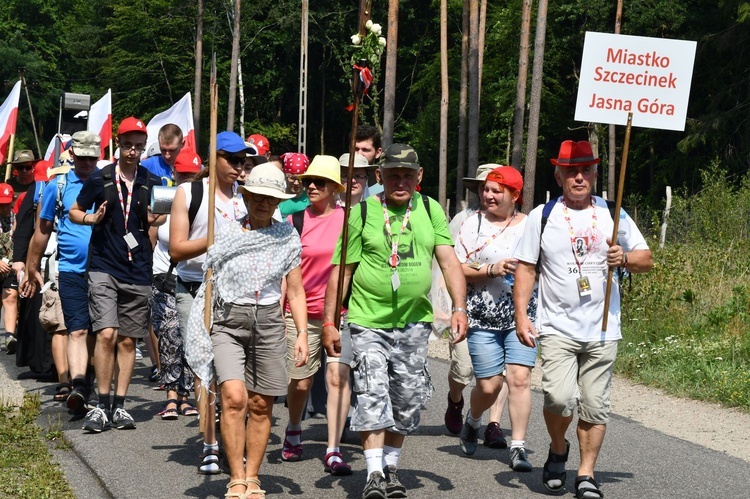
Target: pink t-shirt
pixel 319 237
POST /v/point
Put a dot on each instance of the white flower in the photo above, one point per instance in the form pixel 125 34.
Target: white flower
pixel 368 24
pixel 381 41
pixel 356 40
pixel 377 29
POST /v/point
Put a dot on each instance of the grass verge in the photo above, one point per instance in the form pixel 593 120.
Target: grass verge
pixel 28 470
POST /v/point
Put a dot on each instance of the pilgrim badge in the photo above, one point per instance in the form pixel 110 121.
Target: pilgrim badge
pixel 584 286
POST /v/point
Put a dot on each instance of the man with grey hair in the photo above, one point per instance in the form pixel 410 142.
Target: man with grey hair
pixel 569 237
pixel 389 265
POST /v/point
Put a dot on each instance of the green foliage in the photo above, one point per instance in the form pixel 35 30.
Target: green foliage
pixel 686 324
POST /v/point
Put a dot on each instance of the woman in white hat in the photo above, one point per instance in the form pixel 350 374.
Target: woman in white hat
pixel 250 259
pixel 360 190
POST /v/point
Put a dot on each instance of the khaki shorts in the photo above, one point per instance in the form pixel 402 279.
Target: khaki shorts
pixel 577 374
pixel 461 370
pixel 315 344
pixel 249 345
pixel 119 305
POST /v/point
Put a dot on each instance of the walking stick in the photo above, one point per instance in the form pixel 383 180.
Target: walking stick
pixel 618 204
pixel 357 90
pixel 214 106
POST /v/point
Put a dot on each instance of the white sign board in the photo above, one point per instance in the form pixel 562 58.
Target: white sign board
pixel 649 77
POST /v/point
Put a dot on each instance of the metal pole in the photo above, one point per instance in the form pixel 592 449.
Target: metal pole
pixel 302 125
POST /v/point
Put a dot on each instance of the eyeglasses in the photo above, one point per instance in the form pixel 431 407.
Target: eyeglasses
pixel 292 179
pixel 260 198
pixel 235 161
pixel 133 147
pixel 319 183
pixel 25 168
pixel 362 177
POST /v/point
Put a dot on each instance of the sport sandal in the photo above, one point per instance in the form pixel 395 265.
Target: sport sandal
pixel 256 491
pixel 548 475
pixel 238 495
pixel 588 492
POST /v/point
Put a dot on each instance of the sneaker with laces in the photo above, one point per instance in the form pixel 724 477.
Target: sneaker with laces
pixel 393 486
pixel 454 418
pixel 122 420
pixel 375 488
pixel 493 437
pixel 96 420
pixel 469 438
pixel 519 461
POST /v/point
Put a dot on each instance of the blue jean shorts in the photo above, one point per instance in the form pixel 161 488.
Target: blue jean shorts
pixel 491 350
pixel 74 298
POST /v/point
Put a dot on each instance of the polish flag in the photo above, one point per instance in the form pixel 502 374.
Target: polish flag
pixel 8 119
pixel 181 114
pixel 100 120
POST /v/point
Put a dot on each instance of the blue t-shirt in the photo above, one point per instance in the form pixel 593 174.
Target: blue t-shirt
pixel 109 251
pixel 72 239
pixel 160 168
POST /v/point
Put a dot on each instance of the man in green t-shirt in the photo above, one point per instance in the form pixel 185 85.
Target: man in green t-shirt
pixel 389 264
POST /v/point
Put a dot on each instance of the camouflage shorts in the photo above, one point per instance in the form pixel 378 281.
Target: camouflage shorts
pixel 391 380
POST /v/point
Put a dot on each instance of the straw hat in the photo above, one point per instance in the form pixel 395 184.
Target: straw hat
pixel 267 180
pixel 359 161
pixel 326 167
pixel 482 172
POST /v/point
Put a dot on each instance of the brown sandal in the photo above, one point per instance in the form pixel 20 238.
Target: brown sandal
pixel 238 495
pixel 254 492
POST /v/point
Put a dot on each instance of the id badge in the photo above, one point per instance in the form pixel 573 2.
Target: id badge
pixel 475 265
pixel 130 241
pixel 395 281
pixel 584 286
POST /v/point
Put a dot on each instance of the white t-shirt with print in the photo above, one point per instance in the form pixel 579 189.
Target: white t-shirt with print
pixel 561 310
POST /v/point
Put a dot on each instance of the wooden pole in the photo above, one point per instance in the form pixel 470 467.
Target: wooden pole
pixel 9 167
pixel 618 205
pixel 364 16
pixel 31 114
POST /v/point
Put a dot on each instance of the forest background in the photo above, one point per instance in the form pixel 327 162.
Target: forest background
pixel 688 326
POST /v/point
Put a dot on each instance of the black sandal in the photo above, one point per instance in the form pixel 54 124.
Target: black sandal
pixel 548 475
pixel 169 414
pixel 581 493
pixel 61 392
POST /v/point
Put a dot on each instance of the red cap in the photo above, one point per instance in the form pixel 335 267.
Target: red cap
pixel 260 143
pixel 509 177
pixel 40 170
pixel 295 163
pixel 187 161
pixel 6 193
pixel 131 124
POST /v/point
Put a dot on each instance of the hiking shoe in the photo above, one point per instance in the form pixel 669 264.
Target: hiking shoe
pixel 375 488
pixel 493 437
pixel 96 420
pixel 469 438
pixel 454 418
pixel 122 420
pixel 393 486
pixel 519 461
pixel 77 400
pixel 10 344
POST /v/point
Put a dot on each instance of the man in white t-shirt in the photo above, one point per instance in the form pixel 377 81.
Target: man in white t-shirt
pixel 575 252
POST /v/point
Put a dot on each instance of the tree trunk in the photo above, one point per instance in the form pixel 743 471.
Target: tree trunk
pixel 444 100
pixel 523 71
pixel 536 100
pixel 241 89
pixel 480 49
pixel 302 119
pixel 612 156
pixel 462 99
pixel 198 73
pixel 391 52
pixel 231 100
pixel 473 159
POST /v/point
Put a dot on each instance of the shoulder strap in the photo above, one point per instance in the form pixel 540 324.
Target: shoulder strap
pixel 612 205
pixel 426 201
pixel 363 211
pixel 143 197
pixel 298 220
pixel 196 198
pixel 545 215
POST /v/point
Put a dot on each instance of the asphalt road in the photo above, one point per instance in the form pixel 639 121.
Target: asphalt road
pixel 159 458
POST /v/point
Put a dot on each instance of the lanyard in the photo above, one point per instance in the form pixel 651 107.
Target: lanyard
pixel 572 232
pixel 393 259
pixel 235 206
pixel 124 202
pixel 479 250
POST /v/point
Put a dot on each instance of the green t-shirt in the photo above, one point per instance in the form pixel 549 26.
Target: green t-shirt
pixel 373 303
pixel 291 206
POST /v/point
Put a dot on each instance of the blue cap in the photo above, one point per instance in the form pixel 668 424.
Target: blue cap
pixel 230 142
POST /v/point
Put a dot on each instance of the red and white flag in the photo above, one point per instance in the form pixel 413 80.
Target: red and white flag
pixel 8 119
pixel 100 120
pixel 181 114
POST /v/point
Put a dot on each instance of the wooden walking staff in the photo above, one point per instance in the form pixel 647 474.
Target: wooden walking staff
pixel 214 105
pixel 357 90
pixel 618 204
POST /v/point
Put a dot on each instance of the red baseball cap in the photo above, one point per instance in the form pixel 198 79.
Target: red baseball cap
pixel 40 170
pixel 187 161
pixel 260 143
pixel 6 193
pixel 509 177
pixel 131 124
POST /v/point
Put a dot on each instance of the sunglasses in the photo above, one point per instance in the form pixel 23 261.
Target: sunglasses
pixel 259 198
pixel 234 160
pixel 292 179
pixel 25 168
pixel 319 183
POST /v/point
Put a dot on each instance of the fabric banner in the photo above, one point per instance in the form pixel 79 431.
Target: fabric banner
pixel 181 114
pixel 100 120
pixel 8 119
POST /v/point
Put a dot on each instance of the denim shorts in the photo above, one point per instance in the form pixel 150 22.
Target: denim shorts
pixel 74 297
pixel 491 350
